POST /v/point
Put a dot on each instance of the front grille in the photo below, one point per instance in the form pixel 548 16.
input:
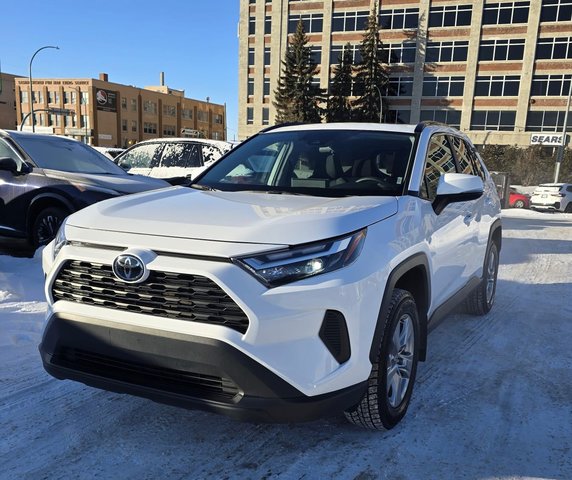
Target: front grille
pixel 155 376
pixel 169 295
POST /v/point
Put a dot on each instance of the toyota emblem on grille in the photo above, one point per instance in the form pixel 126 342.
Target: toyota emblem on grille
pixel 129 268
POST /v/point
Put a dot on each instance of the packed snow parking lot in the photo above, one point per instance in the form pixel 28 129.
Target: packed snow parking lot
pixel 493 400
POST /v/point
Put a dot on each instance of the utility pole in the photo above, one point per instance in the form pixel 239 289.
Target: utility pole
pixel 560 154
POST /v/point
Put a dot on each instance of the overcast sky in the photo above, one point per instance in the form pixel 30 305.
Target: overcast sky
pixel 193 41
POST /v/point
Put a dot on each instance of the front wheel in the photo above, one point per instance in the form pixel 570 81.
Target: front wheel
pixel 519 204
pixel 390 383
pixel 481 300
pixel 46 225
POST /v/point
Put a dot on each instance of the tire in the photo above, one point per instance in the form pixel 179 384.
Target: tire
pixel 568 208
pixel 519 204
pixel 482 298
pixel 46 225
pixel 385 402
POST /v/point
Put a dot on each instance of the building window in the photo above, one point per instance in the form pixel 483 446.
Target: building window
pixel 266 87
pixel 84 98
pixel 169 110
pixel 73 97
pixel 551 85
pixel 124 124
pixel 337 52
pixel 251 25
pixel 505 13
pixel 493 120
pixel 149 127
pixel 133 125
pixel 23 96
pixel 85 121
pixel 266 56
pixel 267 25
pixel 187 113
pixel 455 51
pixel 312 22
pixel 265 116
pixel 38 97
pixel 399 18
pixel 349 21
pixel 400 52
pixel 133 105
pixel 450 16
pixel 316 54
pixel 169 130
pixel 443 86
pixel 556 11
pixel 53 97
pixel 553 48
pixel 399 87
pixel 69 120
pixel 449 117
pixel 249 115
pixel 123 103
pixel 497 86
pixel 398 116
pixel 250 86
pixel 150 107
pixel 54 120
pixel 218 118
pixel 505 49
pixel 67 97
pixel 250 57
pixel 547 121
pixel 202 116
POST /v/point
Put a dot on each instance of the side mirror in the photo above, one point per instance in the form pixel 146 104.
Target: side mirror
pixel 457 187
pixel 125 166
pixel 8 164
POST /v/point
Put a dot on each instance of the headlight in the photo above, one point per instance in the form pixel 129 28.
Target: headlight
pixel 285 266
pixel 60 241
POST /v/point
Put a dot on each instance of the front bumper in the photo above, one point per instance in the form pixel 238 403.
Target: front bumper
pixel 180 369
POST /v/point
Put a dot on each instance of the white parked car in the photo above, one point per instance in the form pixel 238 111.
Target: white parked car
pixel 297 277
pixel 110 152
pixel 552 196
pixel 172 159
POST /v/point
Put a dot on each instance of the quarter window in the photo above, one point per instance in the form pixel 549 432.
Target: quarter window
pixel 439 161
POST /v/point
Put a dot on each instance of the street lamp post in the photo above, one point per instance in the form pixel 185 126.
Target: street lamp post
pixel 31 88
pixel 560 154
pixel 380 102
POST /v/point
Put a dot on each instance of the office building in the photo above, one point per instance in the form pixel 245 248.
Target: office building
pixel 500 71
pixel 109 114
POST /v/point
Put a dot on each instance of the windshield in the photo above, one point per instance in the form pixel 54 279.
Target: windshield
pixel 57 153
pixel 316 162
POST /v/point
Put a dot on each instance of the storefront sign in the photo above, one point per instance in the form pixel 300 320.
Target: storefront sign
pixel 554 139
pixel 106 100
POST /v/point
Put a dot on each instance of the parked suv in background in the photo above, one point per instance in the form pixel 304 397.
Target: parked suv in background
pixel 552 196
pixel 44 178
pixel 295 278
pixel 173 159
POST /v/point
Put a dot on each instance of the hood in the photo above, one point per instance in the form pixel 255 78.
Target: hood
pixel 120 183
pixel 235 216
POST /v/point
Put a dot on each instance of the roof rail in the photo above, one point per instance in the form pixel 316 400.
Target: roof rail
pixel 428 123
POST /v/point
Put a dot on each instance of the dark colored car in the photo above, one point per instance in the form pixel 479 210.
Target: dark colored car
pixel 44 178
pixel 517 199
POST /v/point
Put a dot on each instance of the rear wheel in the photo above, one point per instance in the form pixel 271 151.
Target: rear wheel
pixel 390 383
pixel 46 225
pixel 481 300
pixel 519 204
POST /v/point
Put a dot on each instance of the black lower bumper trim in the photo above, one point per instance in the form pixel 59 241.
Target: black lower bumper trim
pixel 181 370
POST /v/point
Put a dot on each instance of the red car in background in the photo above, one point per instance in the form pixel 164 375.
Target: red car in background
pixel 517 199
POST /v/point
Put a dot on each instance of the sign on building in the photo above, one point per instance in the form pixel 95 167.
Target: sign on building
pixel 106 100
pixel 552 140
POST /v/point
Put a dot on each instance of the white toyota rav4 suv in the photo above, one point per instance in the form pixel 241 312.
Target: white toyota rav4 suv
pixel 295 278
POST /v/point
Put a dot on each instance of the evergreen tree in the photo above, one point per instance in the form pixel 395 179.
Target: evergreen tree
pixel 371 74
pixel 296 98
pixel 339 107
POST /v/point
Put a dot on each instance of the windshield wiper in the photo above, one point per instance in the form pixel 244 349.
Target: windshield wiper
pixel 204 188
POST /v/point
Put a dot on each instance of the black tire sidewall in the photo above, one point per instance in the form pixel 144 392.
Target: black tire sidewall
pixel 54 211
pixel 486 304
pixel 390 416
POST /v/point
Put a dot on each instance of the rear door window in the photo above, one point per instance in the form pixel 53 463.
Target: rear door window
pixel 141 156
pixel 184 155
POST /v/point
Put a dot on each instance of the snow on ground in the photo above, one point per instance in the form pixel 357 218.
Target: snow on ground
pixel 493 401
